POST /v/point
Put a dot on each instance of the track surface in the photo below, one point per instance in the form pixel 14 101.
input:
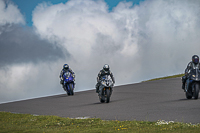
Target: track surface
pixel 149 101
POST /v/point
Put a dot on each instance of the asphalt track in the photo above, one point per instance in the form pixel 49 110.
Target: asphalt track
pixel 149 101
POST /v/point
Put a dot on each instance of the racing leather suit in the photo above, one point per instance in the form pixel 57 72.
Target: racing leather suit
pixel 100 75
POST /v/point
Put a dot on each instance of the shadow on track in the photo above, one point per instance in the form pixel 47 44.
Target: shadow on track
pixel 179 100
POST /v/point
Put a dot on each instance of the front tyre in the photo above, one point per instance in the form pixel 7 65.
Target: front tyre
pixel 71 89
pixel 107 95
pixel 102 96
pixel 188 92
pixel 196 91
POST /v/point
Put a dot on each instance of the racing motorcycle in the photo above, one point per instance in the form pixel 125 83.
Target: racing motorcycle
pixel 192 90
pixel 69 83
pixel 105 89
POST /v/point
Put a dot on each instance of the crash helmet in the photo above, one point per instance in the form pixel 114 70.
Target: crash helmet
pixel 65 66
pixel 195 59
pixel 106 67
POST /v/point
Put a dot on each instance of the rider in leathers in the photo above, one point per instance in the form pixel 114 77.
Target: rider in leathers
pixel 191 65
pixel 63 71
pixel 103 72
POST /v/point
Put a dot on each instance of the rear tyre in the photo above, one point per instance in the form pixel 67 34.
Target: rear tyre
pixel 107 96
pixel 196 91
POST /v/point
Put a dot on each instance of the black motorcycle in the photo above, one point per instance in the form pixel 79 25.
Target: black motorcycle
pixel 192 90
pixel 105 89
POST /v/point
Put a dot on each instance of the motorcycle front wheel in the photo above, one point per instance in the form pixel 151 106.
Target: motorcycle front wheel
pixel 71 89
pixel 188 93
pixel 196 91
pixel 107 95
pixel 102 97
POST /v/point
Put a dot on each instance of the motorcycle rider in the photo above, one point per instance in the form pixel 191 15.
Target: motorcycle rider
pixel 63 71
pixel 191 65
pixel 103 72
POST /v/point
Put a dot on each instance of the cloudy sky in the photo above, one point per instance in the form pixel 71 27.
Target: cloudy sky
pixel 140 40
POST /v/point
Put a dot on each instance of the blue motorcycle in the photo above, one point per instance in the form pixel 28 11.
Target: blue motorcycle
pixel 69 83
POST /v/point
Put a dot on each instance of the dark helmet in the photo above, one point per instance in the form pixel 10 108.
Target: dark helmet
pixel 195 59
pixel 66 66
pixel 106 67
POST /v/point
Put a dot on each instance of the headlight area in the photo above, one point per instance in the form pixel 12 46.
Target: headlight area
pixel 103 82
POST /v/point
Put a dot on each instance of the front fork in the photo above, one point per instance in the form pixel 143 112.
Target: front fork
pixel 67 88
pixel 104 91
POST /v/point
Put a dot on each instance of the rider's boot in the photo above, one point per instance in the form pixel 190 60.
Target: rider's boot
pixel 183 82
pixel 63 87
pixel 183 86
pixel 97 90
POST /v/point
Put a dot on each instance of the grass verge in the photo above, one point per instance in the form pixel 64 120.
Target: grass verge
pixel 167 77
pixel 14 123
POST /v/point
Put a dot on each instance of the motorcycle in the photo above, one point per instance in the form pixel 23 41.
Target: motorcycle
pixel 105 89
pixel 69 83
pixel 193 83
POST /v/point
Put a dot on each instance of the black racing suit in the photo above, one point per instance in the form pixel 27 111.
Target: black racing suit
pixel 100 75
pixel 190 67
pixel 63 71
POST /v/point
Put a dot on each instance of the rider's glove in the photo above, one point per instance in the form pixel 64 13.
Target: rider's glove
pixel 73 77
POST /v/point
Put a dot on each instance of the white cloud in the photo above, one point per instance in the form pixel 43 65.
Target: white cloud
pixel 28 80
pixel 154 33
pixel 155 38
pixel 91 34
pixel 10 14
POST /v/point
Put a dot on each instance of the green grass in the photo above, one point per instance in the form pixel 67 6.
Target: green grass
pixel 173 76
pixel 17 123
